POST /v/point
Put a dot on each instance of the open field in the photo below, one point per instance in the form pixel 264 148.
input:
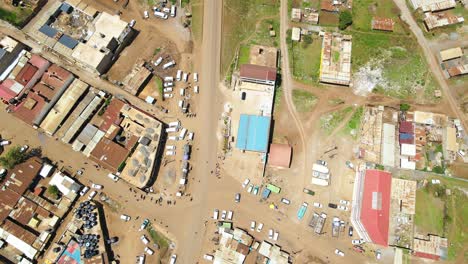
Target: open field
pixel 197 19
pixel 429 213
pixel 305 59
pixel 330 121
pixel 352 127
pixel 364 10
pixel 304 101
pixel 14 15
pixel 235 30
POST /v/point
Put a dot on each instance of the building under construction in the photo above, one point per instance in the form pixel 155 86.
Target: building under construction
pixel 335 64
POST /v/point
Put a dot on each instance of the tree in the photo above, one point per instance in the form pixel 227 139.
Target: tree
pixel 404 107
pixel 346 19
pixel 53 191
pixel 13 157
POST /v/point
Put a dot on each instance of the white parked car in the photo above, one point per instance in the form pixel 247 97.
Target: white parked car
pixel 24 148
pixel 252 225
pixel 318 205
pixel 276 235
pixel 84 190
pixel 223 215
pixel 339 252
pixel 357 241
pixel 249 190
pixel 144 239
pixel 259 227
pixel 170 147
pixel 146 14
pixel 132 23
pixel 113 177
pixel 344 202
pixel 208 257
pixel 270 233
pixel 149 251
pixel 167 96
pixel 285 201
pixel 158 61
pixel 246 182
pixel 170 153
pixel 97 186
pixel 229 215
pixel 215 214
pixel 173 259
pixel 92 195
pixel 125 217
pixel 342 208
pixel 195 77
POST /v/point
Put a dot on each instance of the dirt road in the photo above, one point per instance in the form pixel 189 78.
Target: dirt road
pixel 433 64
pixel 286 76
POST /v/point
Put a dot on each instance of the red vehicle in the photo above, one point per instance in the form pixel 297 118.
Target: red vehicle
pixel 358 249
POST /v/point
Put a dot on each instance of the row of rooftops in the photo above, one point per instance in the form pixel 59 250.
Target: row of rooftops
pixel 332 69
pixel 454 62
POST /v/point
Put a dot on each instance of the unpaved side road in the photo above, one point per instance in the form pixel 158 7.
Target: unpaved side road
pixel 433 64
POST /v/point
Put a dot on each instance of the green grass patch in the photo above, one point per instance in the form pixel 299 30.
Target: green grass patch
pixel 354 123
pixel 240 18
pixel 160 86
pixel 303 100
pixel 244 55
pixel 159 239
pixel 305 60
pixel 17 16
pixel 429 213
pixel 278 96
pixel 329 122
pixel 197 19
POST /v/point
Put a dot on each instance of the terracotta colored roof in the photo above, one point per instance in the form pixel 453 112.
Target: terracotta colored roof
pixel 112 114
pixel 55 76
pixel 383 23
pixel 375 207
pixel 6 93
pixel 280 155
pixel 44 90
pixel 26 74
pixel 406 127
pixel 38 61
pixel 257 72
pixel 426 255
pixel 109 154
pixel 327 5
pixel 21 176
pixel 454 71
pixel 24 211
pixel 8 200
pixel 19 232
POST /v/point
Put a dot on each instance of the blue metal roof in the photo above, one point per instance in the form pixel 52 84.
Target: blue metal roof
pixel 48 31
pixel 253 133
pixel 2 53
pixel 68 41
pixel 65 7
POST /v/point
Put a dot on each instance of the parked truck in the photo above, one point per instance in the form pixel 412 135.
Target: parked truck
pixel 335 227
pixel 302 211
pixel 320 168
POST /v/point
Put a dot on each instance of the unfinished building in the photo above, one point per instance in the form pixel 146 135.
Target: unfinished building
pixel 335 66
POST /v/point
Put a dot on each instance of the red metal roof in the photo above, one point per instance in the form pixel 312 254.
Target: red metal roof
pixel 406 127
pixel 55 76
pixel 375 207
pixel 426 255
pixel 26 74
pixel 6 93
pixel 382 23
pixel 112 114
pixel 258 72
pixel 280 155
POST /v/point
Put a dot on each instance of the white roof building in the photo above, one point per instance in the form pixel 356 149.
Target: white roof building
pixel 65 184
pixel 296 34
pixel 408 150
pixel 46 170
pixel 273 253
pixel 405 163
pixel 388 145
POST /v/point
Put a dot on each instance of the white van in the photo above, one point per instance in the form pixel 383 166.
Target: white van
pixel 144 239
pixel 158 61
pixel 125 217
pixel 196 89
pixel 141 259
pixel 168 79
pixel 173 138
pixel 146 14
pixel 149 251
pixel 169 64
pixel 181 103
pixel 229 215
pixel 174 124
pixel 179 75
pixel 168 84
pixel 170 147
pixel 171 129
pixel 182 92
pixel 190 136
pixel 160 15
pixel 173 11
pixel 195 77
pixel 167 96
pixel 173 259
pixel 185 77
pixel 183 133
pixel 168 90
pixel 132 23
pixel 215 214
pixel 170 153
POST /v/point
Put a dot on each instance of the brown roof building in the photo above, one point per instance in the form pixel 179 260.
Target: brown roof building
pixel 8 200
pixel 382 23
pixel 258 74
pixel 109 154
pixel 280 155
pixel 56 76
pixel 26 74
pixel 21 176
pixel 24 211
pixel 19 232
pixel 112 114
pixel 327 5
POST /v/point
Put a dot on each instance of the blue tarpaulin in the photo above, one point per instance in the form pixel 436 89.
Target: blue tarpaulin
pixel 253 133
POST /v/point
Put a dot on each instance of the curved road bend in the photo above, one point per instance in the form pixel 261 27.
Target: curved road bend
pixel 190 245
pixel 287 79
pixel 433 64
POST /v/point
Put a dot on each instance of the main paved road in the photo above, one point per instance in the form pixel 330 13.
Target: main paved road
pixel 433 64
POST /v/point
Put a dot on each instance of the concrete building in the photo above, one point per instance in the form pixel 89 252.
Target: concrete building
pixel 137 78
pixel 454 62
pixel 388 145
pixel 280 155
pixel 234 246
pixel 296 34
pixel 433 5
pixel 430 247
pixel 450 54
pixel 253 133
pixel 94 41
pixel 273 254
pixel 10 53
pixel 296 14
pixel 335 66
